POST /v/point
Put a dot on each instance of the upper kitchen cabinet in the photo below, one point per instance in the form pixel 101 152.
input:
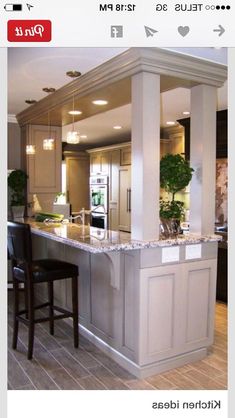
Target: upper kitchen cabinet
pixel 99 163
pixel 221 134
pixel 126 155
pixel 43 167
pixel 172 140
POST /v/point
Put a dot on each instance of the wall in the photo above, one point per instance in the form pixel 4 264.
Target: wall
pixel 221 202
pixel 14 146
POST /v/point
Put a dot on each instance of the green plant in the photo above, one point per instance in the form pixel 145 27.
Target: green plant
pixel 17 181
pixel 173 209
pixel 60 194
pixel 175 175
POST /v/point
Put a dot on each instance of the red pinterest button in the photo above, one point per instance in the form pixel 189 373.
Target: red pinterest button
pixel 29 30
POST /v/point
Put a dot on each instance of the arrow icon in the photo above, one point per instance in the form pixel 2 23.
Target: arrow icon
pixel 149 31
pixel 29 6
pixel 221 30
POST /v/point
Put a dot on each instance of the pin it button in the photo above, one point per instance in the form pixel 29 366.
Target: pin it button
pixel 29 30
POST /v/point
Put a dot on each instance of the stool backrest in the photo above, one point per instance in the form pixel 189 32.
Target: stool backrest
pixel 19 242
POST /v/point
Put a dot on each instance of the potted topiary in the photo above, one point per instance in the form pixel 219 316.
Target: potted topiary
pixel 175 175
pixel 17 182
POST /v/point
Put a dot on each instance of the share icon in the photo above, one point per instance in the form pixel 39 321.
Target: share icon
pixel 149 31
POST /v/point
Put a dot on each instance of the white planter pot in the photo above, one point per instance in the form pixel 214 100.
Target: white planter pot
pixel 17 212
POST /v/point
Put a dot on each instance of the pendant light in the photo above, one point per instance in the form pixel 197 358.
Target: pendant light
pixel 73 136
pixel 30 149
pixel 48 143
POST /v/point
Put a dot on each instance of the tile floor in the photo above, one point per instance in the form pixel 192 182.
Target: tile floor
pixel 57 365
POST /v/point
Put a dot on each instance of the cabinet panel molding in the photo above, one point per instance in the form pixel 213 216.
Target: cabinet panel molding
pixel 44 167
pixel 126 156
pixel 176 309
pixel 125 198
pixel 77 176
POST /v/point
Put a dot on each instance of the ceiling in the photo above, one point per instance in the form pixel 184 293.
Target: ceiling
pixel 31 69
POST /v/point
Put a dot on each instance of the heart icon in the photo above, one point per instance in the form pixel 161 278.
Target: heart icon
pixel 183 30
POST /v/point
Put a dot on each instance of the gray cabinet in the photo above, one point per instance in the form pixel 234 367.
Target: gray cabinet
pixel 177 309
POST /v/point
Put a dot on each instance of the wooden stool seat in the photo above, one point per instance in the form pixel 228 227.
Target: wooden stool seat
pixel 31 272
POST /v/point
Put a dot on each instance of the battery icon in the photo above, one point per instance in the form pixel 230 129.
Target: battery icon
pixel 13 7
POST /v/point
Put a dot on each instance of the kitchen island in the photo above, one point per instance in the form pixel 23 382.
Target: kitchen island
pixel 148 304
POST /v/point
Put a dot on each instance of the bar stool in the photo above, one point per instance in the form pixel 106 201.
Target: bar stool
pixel 31 272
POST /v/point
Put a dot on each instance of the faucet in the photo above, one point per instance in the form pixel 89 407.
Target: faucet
pixel 81 215
pixel 83 212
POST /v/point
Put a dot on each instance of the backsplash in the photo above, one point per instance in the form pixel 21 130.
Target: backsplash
pixel 221 203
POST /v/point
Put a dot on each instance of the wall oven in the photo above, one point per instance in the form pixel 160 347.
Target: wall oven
pixel 99 201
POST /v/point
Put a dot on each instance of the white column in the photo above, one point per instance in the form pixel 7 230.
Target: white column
pixel 203 159
pixel 145 156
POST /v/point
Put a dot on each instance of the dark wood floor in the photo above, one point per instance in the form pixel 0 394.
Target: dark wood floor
pixel 57 365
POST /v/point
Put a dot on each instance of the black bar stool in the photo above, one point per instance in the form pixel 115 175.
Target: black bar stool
pixel 31 272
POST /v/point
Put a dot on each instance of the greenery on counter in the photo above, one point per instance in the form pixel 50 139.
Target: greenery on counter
pixel 17 182
pixel 175 175
pixel 171 210
pixel 43 216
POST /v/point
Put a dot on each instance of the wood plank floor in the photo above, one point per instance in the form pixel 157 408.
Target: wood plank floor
pixel 57 365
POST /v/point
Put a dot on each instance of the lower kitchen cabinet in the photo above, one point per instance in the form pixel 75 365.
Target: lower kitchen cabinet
pixel 125 198
pixel 177 303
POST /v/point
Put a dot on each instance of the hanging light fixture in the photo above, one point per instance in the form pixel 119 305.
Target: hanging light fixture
pixel 48 143
pixel 30 149
pixel 73 136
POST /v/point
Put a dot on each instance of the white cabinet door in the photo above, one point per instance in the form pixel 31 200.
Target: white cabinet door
pixel 99 163
pixel 125 198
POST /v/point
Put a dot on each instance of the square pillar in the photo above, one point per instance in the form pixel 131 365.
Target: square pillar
pixel 203 159
pixel 145 156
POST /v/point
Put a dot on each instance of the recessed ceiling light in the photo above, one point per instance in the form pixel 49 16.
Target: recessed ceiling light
pixel 170 122
pixel 49 89
pixel 73 73
pixel 117 127
pixel 75 112
pixel 30 101
pixel 100 102
pixel 186 113
pixel 83 136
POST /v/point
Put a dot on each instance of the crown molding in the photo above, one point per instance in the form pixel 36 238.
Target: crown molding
pixel 110 147
pixel 177 130
pixel 175 68
pixel 12 119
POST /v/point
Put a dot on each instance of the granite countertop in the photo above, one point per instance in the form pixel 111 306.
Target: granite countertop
pixel 97 240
